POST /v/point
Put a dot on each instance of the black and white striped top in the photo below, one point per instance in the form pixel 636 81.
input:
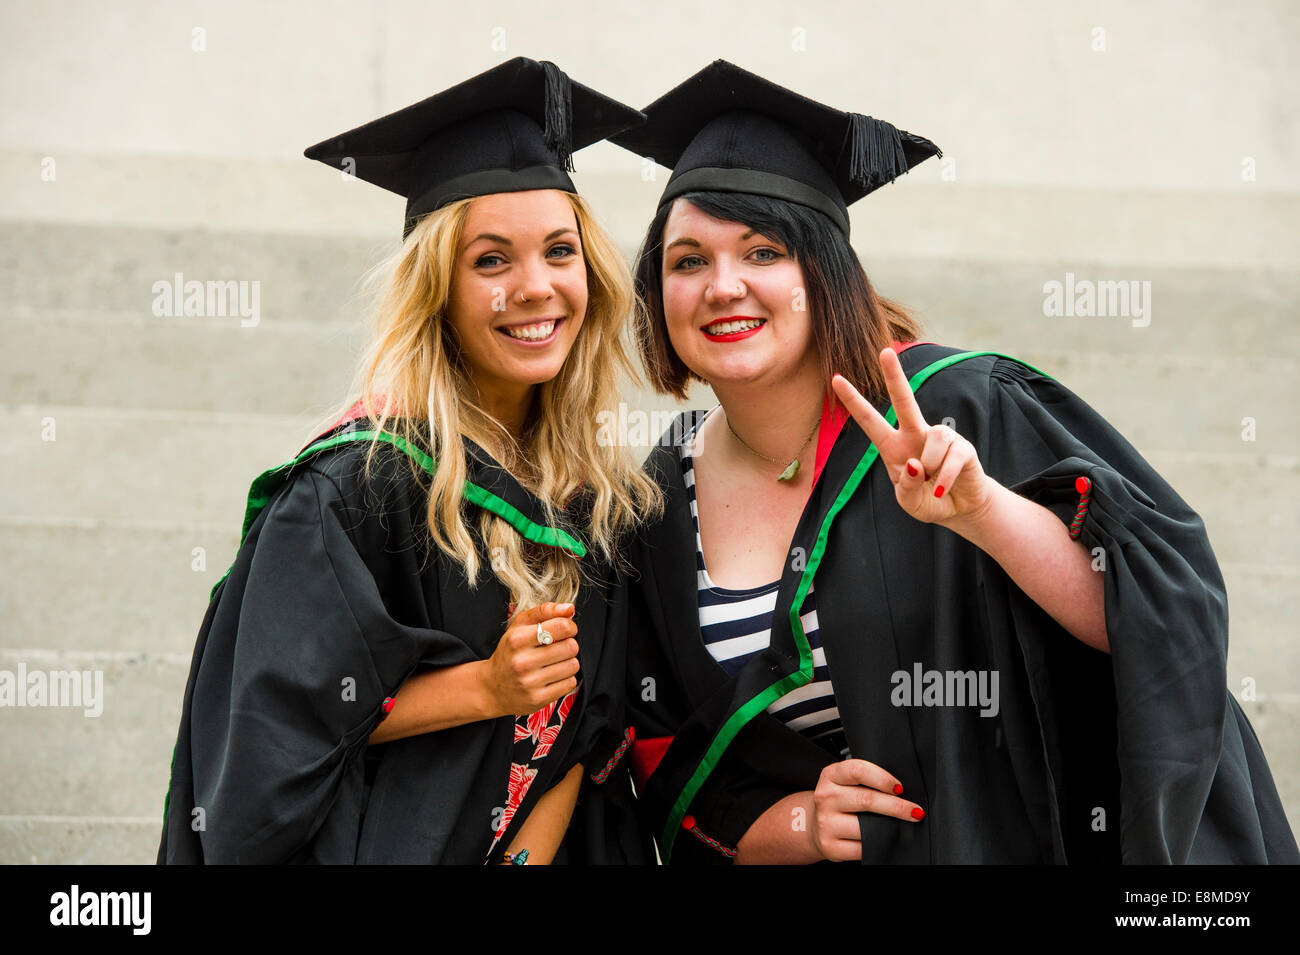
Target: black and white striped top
pixel 736 624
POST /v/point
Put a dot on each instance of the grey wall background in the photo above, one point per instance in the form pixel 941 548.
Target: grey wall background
pixel 1112 141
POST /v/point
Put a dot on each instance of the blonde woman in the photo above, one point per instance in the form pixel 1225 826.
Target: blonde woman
pixel 412 658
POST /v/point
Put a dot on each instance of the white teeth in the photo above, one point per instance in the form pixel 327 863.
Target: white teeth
pixel 531 333
pixel 728 328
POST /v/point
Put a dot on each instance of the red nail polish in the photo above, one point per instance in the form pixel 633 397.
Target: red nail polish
pixel 938 491
pixel 388 704
pixel 911 470
pixel 898 789
pixel 918 813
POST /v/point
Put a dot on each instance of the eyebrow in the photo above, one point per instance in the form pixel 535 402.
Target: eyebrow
pixel 694 244
pixel 502 240
pixel 676 242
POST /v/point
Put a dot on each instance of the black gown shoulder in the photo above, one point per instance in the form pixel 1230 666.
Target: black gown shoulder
pixel 334 599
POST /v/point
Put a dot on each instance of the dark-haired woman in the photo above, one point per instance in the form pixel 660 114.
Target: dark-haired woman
pixel 981 629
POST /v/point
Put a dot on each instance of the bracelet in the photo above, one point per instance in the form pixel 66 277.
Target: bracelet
pixel 517 858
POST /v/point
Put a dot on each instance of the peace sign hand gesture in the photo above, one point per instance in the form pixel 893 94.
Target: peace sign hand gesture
pixel 936 473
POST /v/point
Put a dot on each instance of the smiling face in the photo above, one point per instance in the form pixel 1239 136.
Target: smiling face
pixel 518 290
pixel 734 300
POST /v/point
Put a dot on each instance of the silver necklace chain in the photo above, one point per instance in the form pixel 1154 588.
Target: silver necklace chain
pixel 790 468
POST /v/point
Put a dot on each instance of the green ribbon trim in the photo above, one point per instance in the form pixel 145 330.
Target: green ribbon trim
pixel 765 697
pixel 267 483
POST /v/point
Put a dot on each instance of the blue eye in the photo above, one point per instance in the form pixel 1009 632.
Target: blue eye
pixel 564 250
pixel 489 261
pixel 766 255
pixel 687 262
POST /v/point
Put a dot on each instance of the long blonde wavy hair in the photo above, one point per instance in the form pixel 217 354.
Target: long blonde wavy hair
pixel 414 360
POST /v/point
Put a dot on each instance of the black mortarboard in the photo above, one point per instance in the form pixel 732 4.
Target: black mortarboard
pixel 509 129
pixel 726 129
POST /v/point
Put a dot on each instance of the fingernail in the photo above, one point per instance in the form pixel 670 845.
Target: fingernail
pixel 938 491
pixel 898 789
pixel 911 470
pixel 563 608
pixel 918 813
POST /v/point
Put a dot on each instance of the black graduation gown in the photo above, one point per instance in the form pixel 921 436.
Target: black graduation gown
pixel 333 600
pixel 1140 756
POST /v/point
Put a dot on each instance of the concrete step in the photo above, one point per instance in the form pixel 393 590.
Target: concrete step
pixel 186 467
pixel 1217 404
pixel 962 300
pixel 117 763
pixel 1209 312
pixel 134 465
pixel 1244 226
pixel 290 367
pixel 1263 608
pixel 132 588
pixel 92 785
pixel 1276 721
pixel 79 840
pixel 124 361
pixel 1242 499
pixel 298 277
pixel 121 587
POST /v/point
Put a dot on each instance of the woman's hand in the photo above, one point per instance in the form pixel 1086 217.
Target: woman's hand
pixel 936 473
pixel 827 817
pixel 522 676
pixel 845 789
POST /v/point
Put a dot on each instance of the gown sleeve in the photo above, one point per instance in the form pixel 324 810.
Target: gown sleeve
pixel 291 670
pixel 764 764
pixel 603 732
pixel 1193 784
pixel 604 829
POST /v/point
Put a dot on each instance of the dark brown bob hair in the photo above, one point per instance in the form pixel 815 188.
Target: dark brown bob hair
pixel 851 323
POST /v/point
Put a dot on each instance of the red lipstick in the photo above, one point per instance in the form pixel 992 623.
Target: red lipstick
pixel 733 336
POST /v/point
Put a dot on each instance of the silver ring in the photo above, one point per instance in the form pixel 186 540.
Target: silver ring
pixel 522 300
pixel 544 637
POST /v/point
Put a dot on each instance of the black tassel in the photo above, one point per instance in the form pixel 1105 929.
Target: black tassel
pixel 875 151
pixel 558 107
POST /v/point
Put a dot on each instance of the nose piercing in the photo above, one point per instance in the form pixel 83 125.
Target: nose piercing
pixel 522 300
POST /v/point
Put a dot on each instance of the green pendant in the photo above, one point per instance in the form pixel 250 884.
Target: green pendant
pixel 790 471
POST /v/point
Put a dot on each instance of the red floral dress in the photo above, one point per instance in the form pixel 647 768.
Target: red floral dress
pixel 535 733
